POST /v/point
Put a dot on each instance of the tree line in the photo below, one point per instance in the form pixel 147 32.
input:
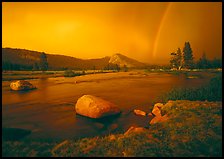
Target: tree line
pixel 42 65
pixel 184 59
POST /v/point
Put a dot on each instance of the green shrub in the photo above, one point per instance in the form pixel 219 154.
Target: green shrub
pixel 70 73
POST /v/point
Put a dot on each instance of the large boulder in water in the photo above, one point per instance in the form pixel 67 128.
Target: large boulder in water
pixel 21 85
pixel 95 107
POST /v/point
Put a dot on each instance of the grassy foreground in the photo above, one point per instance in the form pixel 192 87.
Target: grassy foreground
pixel 193 129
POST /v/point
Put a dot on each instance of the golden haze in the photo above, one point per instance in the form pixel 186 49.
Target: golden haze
pixel 147 31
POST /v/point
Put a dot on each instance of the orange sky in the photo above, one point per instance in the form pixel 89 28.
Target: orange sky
pixel 147 32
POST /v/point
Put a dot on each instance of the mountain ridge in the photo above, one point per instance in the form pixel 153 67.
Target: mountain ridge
pixel 56 61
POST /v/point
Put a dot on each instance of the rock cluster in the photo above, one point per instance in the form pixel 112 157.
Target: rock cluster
pixel 157 112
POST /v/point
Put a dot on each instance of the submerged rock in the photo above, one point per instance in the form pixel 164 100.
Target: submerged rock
pixel 113 127
pixel 21 85
pixel 95 107
pixel 99 125
pixel 139 112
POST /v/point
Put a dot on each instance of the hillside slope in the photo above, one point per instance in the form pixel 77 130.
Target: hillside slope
pixel 122 60
pixel 29 58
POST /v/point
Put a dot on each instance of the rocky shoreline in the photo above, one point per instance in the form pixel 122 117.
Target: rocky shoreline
pixel 178 128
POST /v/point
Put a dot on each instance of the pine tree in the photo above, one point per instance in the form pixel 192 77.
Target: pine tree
pixel 173 61
pixel 176 59
pixel 187 56
pixel 179 58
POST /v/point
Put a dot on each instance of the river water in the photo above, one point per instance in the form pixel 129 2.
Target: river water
pixel 49 110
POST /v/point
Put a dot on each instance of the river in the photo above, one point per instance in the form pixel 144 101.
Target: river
pixel 49 110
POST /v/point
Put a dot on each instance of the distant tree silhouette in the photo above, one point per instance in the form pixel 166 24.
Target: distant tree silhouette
pixel 43 62
pixel 118 68
pixel 35 66
pixel 203 62
pixel 111 66
pixel 187 56
pixel 216 63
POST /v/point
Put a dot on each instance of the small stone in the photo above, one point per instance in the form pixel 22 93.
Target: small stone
pixel 139 112
pixel 99 125
pixel 112 137
pixel 113 127
pixel 150 114
pixel 124 153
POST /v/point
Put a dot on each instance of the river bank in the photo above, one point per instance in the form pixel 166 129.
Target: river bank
pixel 194 129
pixel 49 113
pixel 24 75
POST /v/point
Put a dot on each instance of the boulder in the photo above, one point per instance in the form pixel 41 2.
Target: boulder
pixel 95 107
pixel 159 105
pixel 134 129
pixel 158 119
pixel 156 111
pixel 21 85
pixel 139 112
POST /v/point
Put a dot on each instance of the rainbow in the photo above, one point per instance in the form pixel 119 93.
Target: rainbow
pixel 160 28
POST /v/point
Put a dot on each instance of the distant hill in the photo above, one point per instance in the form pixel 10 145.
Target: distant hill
pixel 122 60
pixel 26 59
